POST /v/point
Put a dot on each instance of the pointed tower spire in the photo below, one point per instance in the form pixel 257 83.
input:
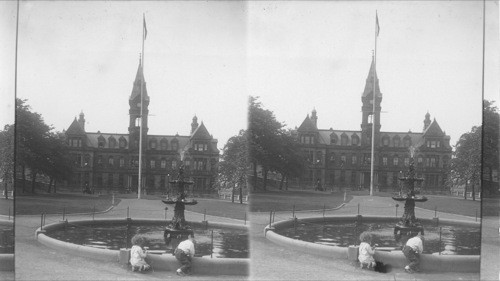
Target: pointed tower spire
pixel 194 124
pixel 427 121
pixel 314 117
pixel 81 120
pixel 369 81
pixel 136 90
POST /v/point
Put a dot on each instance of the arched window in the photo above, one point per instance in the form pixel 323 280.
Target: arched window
pixel 111 142
pixel 333 139
pixel 101 142
pixel 175 144
pixel 163 144
pixel 397 141
pixel 344 139
pixel 152 144
pixel 355 139
pixel 122 142
pixel 385 140
pixel 407 141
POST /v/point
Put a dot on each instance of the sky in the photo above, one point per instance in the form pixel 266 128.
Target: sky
pixel 205 58
pixel 83 56
pixel 317 55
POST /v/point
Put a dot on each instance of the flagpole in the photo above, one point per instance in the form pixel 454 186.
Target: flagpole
pixel 141 123
pixel 373 108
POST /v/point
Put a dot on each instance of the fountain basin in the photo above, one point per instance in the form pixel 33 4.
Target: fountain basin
pixel 203 266
pixel 395 258
pixel 7 258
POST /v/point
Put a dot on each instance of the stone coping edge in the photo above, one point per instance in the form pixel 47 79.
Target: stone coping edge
pixel 6 260
pixel 164 262
pixel 440 263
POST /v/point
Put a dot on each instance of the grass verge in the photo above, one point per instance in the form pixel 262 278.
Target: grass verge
pixel 59 202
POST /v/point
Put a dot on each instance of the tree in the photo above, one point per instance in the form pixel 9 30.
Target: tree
pixel 38 148
pixel 264 135
pixel 491 126
pixel 7 157
pixel 234 164
pixel 466 162
pixel 271 146
pixel 59 164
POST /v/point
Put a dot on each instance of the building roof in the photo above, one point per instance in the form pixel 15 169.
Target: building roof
pixel 201 132
pixel 75 128
pixel 307 125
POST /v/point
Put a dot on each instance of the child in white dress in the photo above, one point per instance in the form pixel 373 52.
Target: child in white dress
pixel 366 251
pixel 137 254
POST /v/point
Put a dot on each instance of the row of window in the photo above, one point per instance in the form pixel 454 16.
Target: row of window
pixel 355 179
pixel 354 140
pixel 122 180
pixel 429 161
pixel 122 143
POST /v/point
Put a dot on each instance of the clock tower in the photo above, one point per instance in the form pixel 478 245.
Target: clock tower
pixel 367 108
pixel 135 110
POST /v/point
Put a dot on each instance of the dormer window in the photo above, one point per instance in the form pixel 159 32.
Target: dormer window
pixel 175 145
pixel 200 147
pixel 152 144
pixel 385 141
pixel 397 141
pixel 333 139
pixel 163 144
pixel 101 142
pixel 112 142
pixel 355 140
pixel 123 142
pixel 307 139
pixel 344 140
pixel 407 142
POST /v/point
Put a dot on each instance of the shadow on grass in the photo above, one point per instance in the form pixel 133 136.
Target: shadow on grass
pixel 35 204
pixel 302 200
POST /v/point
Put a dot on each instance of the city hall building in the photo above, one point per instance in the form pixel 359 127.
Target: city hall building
pixel 105 161
pixel 339 159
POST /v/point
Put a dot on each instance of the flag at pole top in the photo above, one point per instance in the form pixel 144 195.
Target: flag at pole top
pixel 144 26
pixel 377 27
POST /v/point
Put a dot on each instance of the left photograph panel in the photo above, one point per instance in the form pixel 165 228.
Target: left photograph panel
pixel 7 106
pixel 128 117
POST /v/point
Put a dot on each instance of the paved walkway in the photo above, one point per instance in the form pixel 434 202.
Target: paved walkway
pixel 269 261
pixel 35 261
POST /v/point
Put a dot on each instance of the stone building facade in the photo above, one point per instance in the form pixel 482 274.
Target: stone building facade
pixel 340 159
pixel 105 161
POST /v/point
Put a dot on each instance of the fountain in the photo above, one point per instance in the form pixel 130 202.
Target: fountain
pixel 178 229
pixel 451 245
pixel 409 225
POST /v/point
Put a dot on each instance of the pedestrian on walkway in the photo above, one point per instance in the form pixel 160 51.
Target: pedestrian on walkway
pixel 412 250
pixel 184 253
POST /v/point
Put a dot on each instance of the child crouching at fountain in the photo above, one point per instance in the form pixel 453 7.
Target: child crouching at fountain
pixel 137 254
pixel 366 251
pixel 184 253
pixel 412 250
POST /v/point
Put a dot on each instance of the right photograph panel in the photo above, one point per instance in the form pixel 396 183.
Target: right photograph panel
pixel 373 140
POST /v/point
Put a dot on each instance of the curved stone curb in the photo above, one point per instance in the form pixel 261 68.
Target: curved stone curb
pixel 202 266
pixel 6 260
pixel 442 263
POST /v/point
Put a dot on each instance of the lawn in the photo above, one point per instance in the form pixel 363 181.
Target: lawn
pixel 491 207
pixel 453 205
pixel 59 202
pixel 221 208
pixel 6 206
pixel 302 200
